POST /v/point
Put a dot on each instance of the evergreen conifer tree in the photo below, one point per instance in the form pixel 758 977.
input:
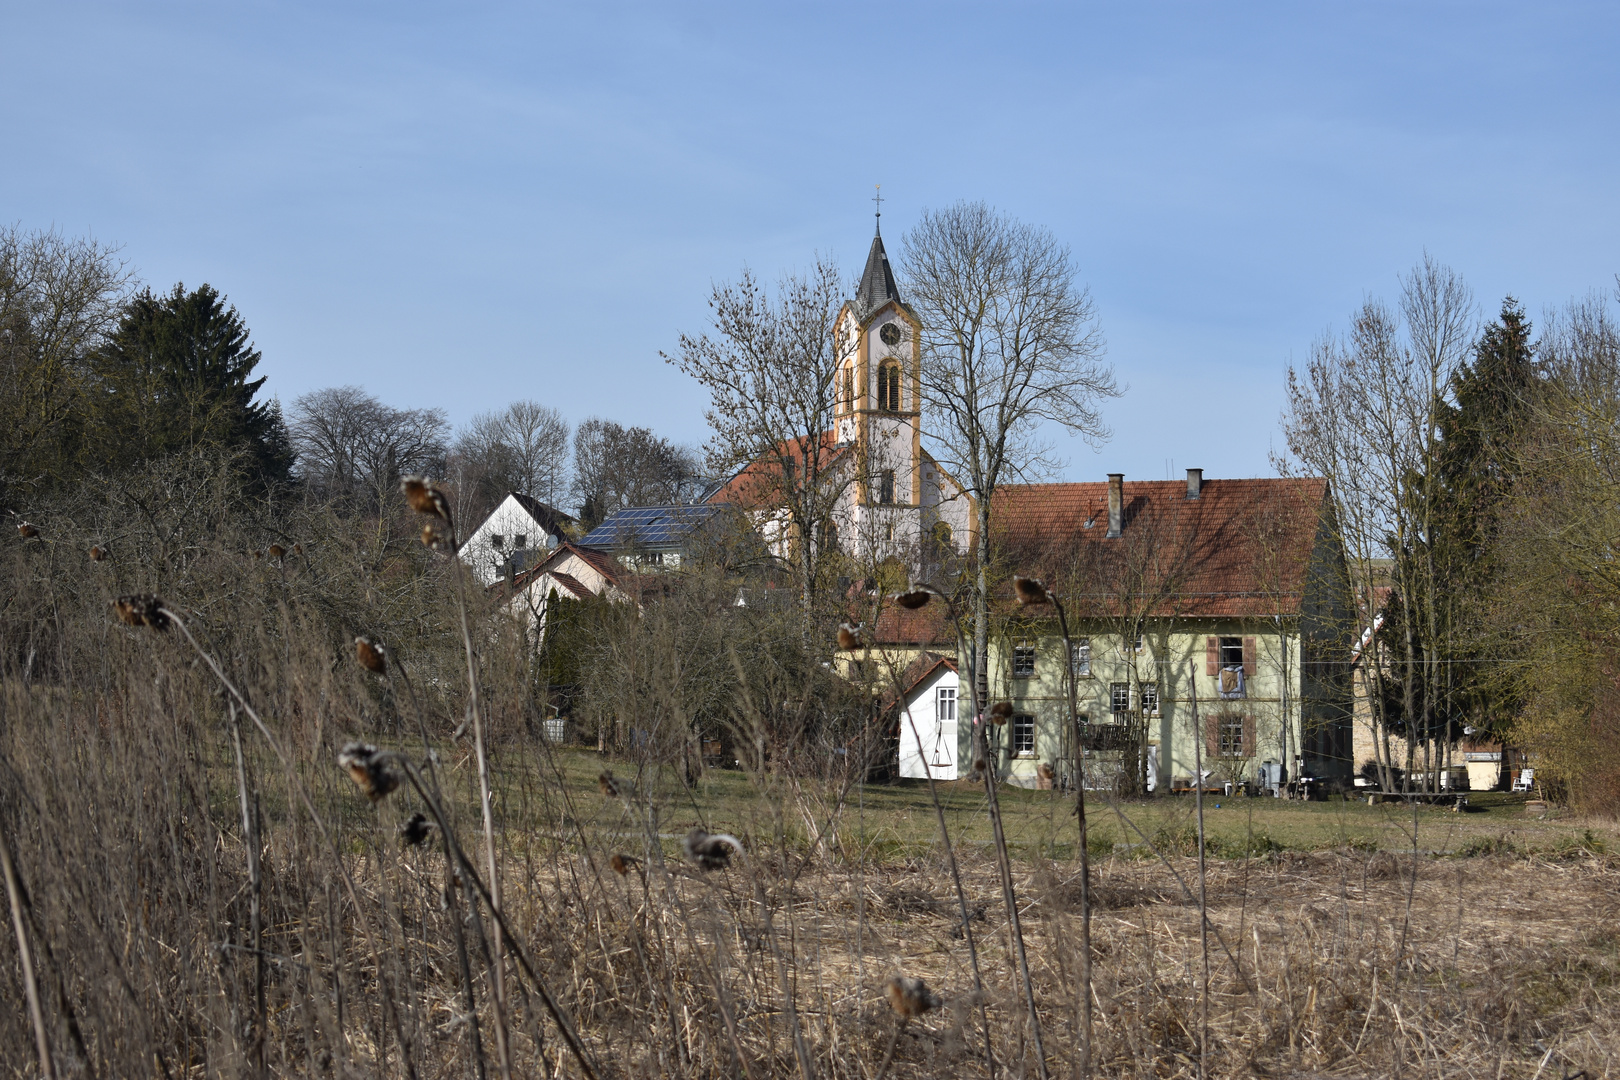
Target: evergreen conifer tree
pixel 176 375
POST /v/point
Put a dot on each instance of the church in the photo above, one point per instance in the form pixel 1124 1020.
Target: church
pixel 895 500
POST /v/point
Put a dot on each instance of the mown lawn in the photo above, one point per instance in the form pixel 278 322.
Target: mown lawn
pixel 895 821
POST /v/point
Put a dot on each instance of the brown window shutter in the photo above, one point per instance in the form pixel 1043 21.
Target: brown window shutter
pixel 1212 655
pixel 1212 737
pixel 1249 740
pixel 1249 650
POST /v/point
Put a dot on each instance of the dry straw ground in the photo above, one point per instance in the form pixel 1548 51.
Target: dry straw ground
pixel 197 888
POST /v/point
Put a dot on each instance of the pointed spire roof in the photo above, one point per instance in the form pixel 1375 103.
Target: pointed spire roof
pixel 877 281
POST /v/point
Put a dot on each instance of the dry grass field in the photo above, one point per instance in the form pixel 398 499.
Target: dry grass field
pixel 196 886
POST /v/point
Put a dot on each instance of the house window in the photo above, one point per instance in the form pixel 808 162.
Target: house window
pixel 1023 735
pixel 1137 644
pixel 1229 736
pixel 889 388
pixel 1023 659
pixel 1119 698
pixel 520 541
pixel 1150 699
pixel 945 704
pixel 1080 657
pixel 496 540
pixel 1231 652
pixel 886 487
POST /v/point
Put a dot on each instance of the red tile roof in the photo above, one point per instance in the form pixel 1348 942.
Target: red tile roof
pixel 1241 549
pixel 760 483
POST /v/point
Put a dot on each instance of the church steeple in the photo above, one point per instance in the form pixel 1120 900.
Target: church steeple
pixel 877 281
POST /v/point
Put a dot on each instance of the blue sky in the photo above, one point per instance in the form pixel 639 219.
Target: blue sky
pixel 460 205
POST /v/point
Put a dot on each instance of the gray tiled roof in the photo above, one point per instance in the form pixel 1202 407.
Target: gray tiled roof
pixel 877 281
pixel 548 518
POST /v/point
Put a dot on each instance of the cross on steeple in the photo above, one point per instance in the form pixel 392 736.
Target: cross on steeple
pixel 878 199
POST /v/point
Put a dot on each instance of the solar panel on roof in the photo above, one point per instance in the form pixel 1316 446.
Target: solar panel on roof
pixel 651 526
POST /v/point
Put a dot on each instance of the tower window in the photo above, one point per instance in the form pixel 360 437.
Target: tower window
pixel 889 388
pixel 886 487
pixel 849 389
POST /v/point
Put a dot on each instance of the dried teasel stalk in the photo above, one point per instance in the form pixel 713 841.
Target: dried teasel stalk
pixel 433 539
pixel 371 654
pixel 1030 591
pixel 425 498
pixel 710 851
pixel 141 609
pixel 612 786
pixel 910 997
pixel 371 769
pixel 415 831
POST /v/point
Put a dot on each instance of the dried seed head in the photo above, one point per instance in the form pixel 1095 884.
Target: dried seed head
pixel 298 549
pixel 371 654
pixel 141 609
pixel 433 539
pixel 371 769
pixel 914 599
pixel 849 637
pixel 623 864
pixel 1030 590
pixel 979 765
pixel 258 554
pixel 414 832
pixel 911 997
pixel 27 531
pixel 98 554
pixel 277 551
pixel 425 498
pixel 710 851
pixel 1001 712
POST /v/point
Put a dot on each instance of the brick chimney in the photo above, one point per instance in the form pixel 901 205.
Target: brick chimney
pixel 1195 483
pixel 1116 503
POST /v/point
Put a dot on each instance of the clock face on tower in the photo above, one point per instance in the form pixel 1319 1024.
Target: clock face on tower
pixel 890 334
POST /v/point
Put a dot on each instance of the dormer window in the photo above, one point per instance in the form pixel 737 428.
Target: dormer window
pixel 496 541
pixel 520 541
pixel 889 388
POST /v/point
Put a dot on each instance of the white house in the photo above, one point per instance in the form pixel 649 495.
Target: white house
pixel 517 533
pixel 928 735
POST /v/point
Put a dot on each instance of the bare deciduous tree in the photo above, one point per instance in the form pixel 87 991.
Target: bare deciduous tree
pixel 60 299
pixel 770 371
pixel 350 444
pixel 1365 414
pixel 523 448
pixel 1009 341
pixel 616 467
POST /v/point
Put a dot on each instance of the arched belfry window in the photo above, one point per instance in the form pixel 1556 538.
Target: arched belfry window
pixel 849 389
pixel 889 388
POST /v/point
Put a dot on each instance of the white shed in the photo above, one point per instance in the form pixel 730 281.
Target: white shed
pixel 928 732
